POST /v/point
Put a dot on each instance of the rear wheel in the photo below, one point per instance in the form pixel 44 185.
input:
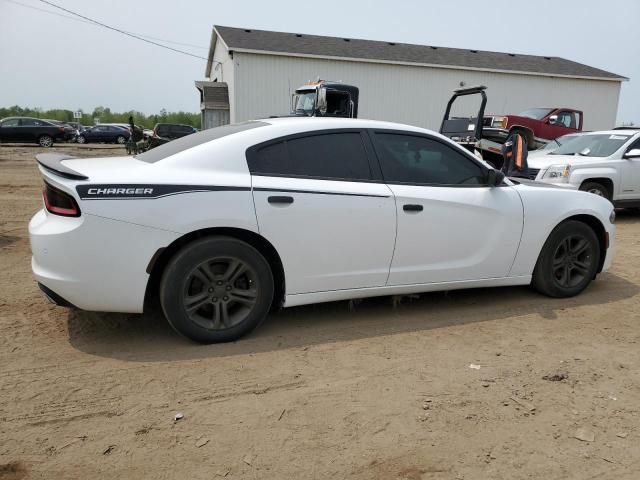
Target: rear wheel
pixel 216 289
pixel 45 141
pixel 568 262
pixel 597 189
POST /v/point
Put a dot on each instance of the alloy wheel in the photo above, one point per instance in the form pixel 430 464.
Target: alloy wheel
pixel 220 293
pixel 572 260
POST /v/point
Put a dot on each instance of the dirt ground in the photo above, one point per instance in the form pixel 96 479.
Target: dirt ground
pixel 446 386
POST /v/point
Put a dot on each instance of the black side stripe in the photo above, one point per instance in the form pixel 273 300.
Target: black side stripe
pixel 146 191
pixel 320 192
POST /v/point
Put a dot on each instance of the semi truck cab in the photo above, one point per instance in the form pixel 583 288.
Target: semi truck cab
pixel 325 99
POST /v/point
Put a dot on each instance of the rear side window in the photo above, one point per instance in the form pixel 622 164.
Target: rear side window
pixel 339 156
pixel 419 160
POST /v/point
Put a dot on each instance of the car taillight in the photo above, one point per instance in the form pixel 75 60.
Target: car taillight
pixel 59 203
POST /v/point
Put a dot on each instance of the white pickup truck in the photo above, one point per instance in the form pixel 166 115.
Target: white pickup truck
pixel 605 163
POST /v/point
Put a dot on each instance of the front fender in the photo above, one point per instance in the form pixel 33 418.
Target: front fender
pixel 580 175
pixel 547 207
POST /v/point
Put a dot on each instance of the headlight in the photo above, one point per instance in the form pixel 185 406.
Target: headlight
pixel 557 173
pixel 612 217
pixel 499 122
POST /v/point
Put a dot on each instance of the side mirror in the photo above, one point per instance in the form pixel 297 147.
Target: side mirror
pixel 553 119
pixel 321 104
pixel 494 177
pixel 633 153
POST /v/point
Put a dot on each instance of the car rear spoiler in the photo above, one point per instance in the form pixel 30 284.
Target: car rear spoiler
pixel 53 163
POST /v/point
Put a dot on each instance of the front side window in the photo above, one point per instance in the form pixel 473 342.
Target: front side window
pixel 340 156
pixel 419 160
pixel 567 120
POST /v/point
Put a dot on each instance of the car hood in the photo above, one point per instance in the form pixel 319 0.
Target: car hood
pixel 544 161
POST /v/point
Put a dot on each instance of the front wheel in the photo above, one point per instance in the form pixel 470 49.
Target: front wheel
pixel 120 140
pixel 568 262
pixel 597 189
pixel 81 139
pixel 216 289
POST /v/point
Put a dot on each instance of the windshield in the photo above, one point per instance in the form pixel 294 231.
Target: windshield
pixel 558 142
pixel 304 103
pixel 537 113
pixel 598 145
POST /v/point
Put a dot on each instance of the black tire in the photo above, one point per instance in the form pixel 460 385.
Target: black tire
pixel 45 141
pixel 120 140
pixel 223 304
pixel 597 189
pixel 81 140
pixel 568 261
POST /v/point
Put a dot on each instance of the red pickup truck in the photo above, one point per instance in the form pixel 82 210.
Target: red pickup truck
pixel 538 125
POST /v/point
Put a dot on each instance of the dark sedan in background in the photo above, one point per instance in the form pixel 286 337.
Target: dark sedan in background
pixel 165 132
pixel 104 134
pixel 33 130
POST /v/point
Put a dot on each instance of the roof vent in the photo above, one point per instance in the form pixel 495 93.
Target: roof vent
pixel 511 54
pixel 248 31
pixel 391 43
pixel 346 39
pixel 473 51
pixel 434 48
pixel 298 35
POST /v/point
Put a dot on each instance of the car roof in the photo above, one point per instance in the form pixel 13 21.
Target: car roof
pixel 320 123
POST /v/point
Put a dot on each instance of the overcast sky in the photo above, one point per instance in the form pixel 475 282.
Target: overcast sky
pixel 50 61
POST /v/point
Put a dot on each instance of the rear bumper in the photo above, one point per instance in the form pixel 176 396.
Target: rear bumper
pixel 93 263
pixel 53 297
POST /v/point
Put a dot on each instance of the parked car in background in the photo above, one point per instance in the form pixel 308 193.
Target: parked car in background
pixel 537 125
pixel 78 126
pixel 604 163
pixel 70 131
pixel 31 130
pixel 230 223
pixel 104 134
pixel 165 132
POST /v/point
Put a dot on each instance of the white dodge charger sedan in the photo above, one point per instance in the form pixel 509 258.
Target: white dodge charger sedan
pixel 232 222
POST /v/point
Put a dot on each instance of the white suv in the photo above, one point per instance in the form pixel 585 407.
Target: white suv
pixel 606 163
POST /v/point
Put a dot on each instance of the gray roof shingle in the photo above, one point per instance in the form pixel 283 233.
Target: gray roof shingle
pixel 303 44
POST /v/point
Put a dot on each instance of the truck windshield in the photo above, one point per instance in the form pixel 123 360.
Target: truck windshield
pixel 598 145
pixel 537 113
pixel 304 103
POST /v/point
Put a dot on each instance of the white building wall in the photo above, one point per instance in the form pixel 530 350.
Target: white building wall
pixel 224 72
pixel 411 94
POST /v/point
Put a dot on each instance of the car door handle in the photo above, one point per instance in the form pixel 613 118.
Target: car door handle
pixel 276 199
pixel 412 208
